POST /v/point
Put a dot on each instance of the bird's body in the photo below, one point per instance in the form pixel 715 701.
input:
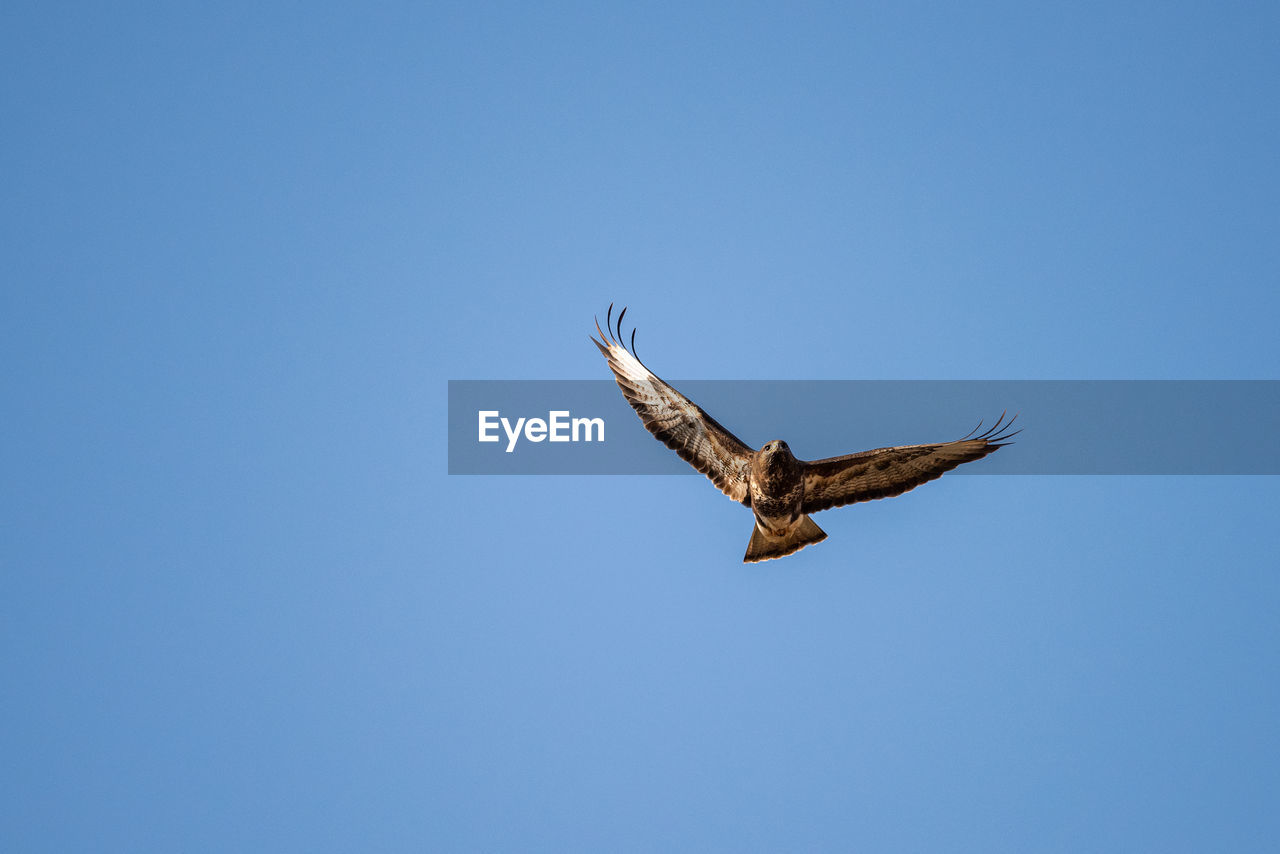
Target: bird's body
pixel 776 491
pixel 780 490
pixel 776 486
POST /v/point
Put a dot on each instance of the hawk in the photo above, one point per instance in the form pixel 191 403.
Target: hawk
pixel 780 490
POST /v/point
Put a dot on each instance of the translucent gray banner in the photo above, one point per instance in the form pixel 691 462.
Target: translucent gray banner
pixel 1069 426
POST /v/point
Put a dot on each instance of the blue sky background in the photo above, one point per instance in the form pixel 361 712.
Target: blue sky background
pixel 243 608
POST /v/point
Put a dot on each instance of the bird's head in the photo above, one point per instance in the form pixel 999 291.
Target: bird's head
pixel 777 449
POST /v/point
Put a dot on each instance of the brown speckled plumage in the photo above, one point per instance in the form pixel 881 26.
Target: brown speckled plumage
pixel 780 489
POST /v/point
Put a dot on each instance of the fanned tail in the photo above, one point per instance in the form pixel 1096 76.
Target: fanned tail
pixel 767 547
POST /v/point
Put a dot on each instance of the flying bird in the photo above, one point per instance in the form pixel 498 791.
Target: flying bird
pixel 780 490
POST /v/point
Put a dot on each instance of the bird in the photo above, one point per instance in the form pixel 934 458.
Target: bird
pixel 781 490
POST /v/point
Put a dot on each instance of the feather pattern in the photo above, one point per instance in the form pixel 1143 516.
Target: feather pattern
pixel 676 421
pixel 780 490
pixel 886 472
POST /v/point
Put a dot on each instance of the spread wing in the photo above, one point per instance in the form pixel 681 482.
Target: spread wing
pixel 676 420
pixel 886 472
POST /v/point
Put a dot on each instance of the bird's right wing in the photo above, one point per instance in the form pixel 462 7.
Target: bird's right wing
pixel 886 472
pixel 674 419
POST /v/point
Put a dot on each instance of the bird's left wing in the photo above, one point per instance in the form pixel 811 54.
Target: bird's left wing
pixel 886 472
pixel 674 419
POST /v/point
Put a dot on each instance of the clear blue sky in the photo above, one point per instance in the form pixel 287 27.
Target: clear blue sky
pixel 245 245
